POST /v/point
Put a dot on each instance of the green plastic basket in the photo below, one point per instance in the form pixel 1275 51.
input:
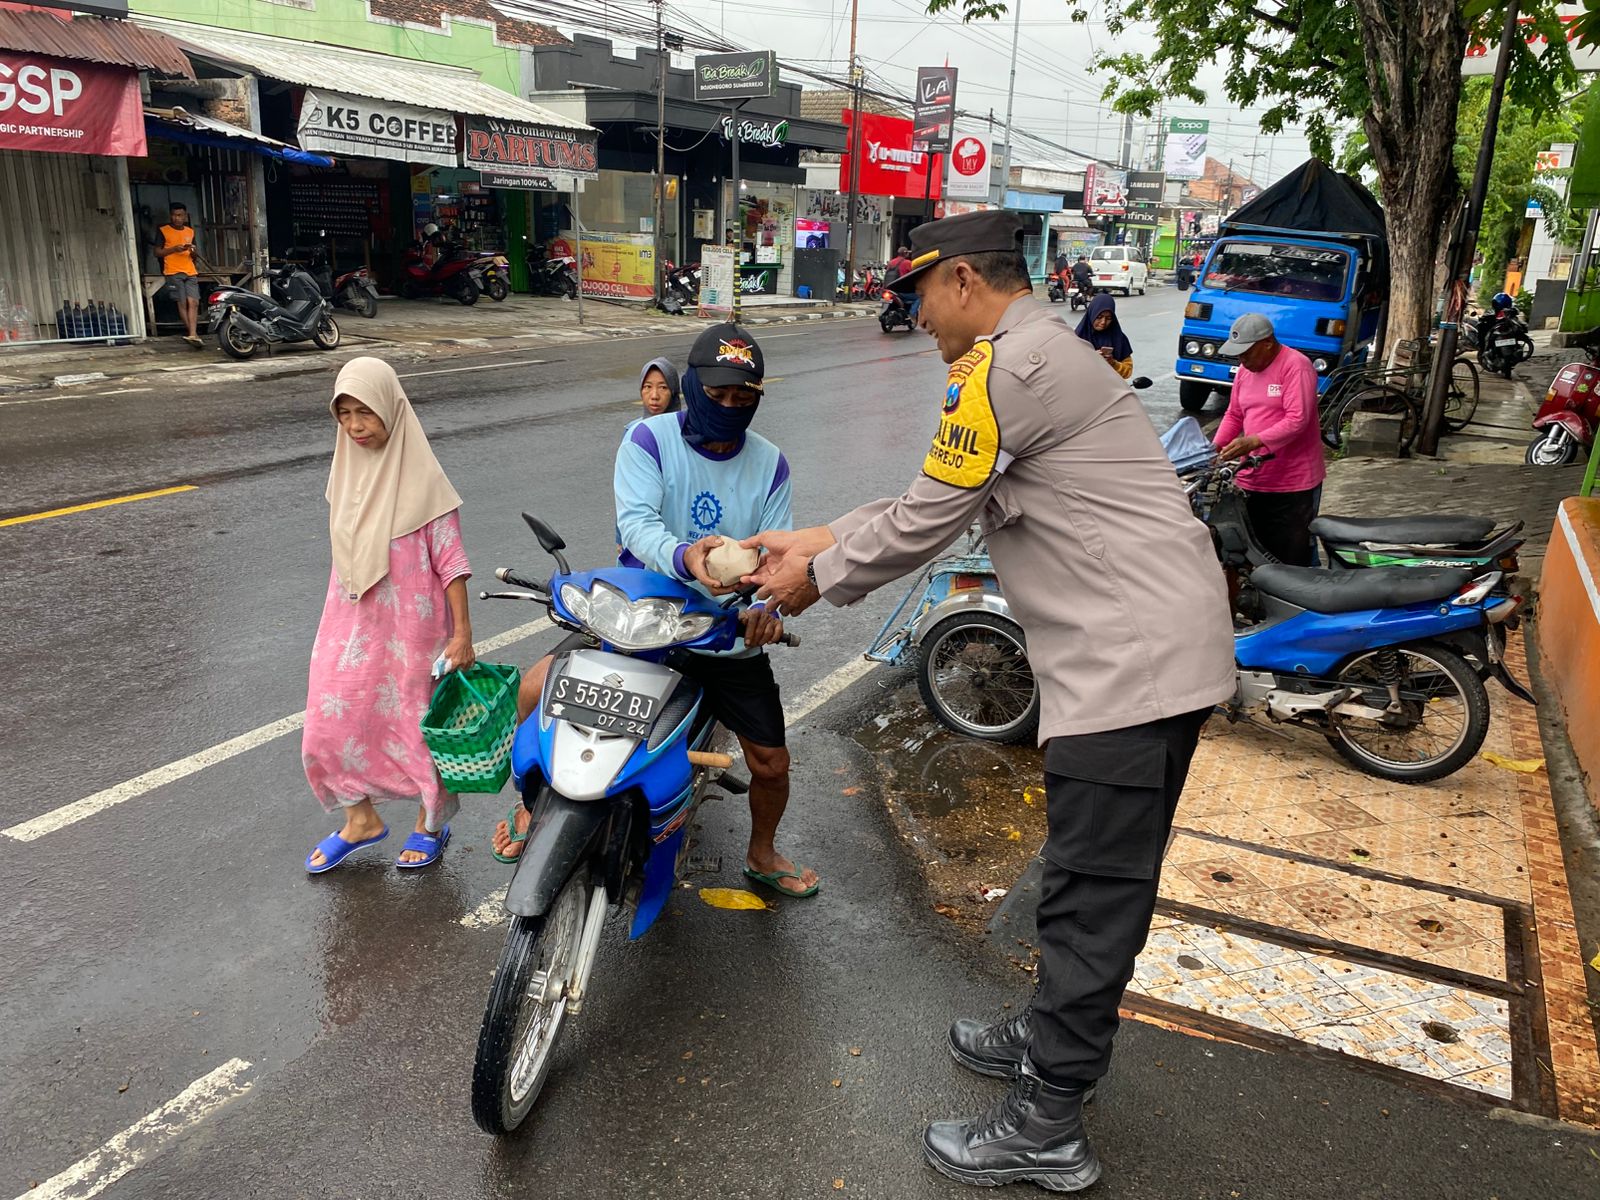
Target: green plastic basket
pixel 469 726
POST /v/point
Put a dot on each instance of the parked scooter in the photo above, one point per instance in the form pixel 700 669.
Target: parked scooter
pixel 896 312
pixel 1567 419
pixel 613 766
pixel 353 290
pixel 1503 339
pixel 244 320
pixel 491 272
pixel 452 274
pixel 552 275
pixel 682 282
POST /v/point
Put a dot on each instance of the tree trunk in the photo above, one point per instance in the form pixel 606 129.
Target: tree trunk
pixel 1413 57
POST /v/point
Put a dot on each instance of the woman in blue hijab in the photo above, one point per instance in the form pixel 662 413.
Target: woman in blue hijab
pixel 1101 330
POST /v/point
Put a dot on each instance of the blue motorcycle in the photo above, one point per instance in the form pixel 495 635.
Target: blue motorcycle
pixel 612 766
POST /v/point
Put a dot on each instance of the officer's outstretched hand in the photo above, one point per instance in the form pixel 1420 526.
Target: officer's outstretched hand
pixel 782 575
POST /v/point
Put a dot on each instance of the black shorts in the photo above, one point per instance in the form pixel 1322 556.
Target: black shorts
pixel 741 692
pixel 1281 522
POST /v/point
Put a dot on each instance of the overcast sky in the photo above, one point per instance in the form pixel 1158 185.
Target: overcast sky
pixel 1057 96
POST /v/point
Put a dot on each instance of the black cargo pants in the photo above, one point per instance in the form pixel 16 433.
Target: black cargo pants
pixel 1111 799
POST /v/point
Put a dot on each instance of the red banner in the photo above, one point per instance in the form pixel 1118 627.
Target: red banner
pixel 889 166
pixel 69 107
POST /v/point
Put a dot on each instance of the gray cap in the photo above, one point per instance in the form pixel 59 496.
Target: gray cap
pixel 1246 332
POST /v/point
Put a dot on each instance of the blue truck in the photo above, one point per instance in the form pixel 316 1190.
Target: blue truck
pixel 1310 253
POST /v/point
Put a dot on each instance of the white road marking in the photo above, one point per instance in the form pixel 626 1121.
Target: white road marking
pixel 825 689
pixel 530 362
pixel 142 1140
pixel 78 810
pixel 492 911
pixel 1576 550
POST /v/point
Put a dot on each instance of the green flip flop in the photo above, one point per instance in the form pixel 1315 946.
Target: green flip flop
pixel 772 882
pixel 516 838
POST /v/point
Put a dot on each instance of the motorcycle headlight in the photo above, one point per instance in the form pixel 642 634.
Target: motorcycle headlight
pixel 1191 348
pixel 1320 365
pixel 1208 350
pixel 644 624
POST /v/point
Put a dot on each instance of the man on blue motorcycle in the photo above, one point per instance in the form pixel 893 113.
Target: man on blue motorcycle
pixel 684 481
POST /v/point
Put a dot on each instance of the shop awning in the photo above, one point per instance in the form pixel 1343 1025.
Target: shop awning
pixel 1070 222
pixel 359 73
pixel 193 129
pixel 93 39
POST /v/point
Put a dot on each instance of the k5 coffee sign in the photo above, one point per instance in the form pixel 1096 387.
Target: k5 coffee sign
pixel 69 107
pixel 357 127
pixel 748 75
pixel 514 154
pixel 968 177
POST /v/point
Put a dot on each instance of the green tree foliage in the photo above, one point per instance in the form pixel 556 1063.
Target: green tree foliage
pixel 1389 67
pixel 1522 133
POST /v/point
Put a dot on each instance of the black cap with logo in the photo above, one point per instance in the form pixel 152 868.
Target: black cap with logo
pixel 969 233
pixel 726 355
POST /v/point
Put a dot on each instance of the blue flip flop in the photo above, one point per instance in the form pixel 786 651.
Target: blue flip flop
pixel 431 844
pixel 335 850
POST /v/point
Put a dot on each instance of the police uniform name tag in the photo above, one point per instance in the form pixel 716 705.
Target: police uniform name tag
pixel 966 450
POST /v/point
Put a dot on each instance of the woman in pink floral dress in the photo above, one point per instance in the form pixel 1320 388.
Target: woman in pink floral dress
pixel 397 601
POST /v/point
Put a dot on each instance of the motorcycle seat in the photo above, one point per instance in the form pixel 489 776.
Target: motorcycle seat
pixel 1323 591
pixel 1404 531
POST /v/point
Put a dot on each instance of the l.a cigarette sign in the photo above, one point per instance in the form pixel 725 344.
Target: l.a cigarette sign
pixel 69 107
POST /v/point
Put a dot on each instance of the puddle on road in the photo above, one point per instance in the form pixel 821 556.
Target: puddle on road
pixel 972 812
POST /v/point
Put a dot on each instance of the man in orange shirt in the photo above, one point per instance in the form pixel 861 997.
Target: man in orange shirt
pixel 174 246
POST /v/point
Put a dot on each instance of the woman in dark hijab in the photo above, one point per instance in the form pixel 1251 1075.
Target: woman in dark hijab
pixel 1101 330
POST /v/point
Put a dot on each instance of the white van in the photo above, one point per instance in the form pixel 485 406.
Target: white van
pixel 1118 268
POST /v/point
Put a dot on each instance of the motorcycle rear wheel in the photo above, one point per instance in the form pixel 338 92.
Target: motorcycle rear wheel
pixel 973 673
pixel 1445 721
pixel 235 342
pixel 498 289
pixel 363 305
pixel 326 335
pixel 527 1010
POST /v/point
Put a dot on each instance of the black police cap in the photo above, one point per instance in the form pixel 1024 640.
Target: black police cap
pixel 969 233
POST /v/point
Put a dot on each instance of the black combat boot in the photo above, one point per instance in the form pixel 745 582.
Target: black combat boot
pixel 996 1049
pixel 1034 1135
pixel 992 1049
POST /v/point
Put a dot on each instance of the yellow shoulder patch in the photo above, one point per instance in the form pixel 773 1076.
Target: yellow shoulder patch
pixel 965 449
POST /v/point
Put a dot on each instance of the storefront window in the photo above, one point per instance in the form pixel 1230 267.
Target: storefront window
pixel 765 233
pixel 624 202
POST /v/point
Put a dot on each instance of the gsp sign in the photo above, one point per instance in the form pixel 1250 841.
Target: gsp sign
pixel 69 107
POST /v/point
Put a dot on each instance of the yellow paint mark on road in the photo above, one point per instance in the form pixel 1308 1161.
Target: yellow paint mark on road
pixel 78 508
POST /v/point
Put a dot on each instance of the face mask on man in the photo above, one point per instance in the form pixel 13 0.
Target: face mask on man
pixel 708 421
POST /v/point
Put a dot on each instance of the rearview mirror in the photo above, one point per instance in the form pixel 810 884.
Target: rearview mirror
pixel 549 540
pixel 1139 381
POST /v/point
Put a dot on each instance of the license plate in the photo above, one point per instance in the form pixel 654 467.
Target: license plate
pixel 600 707
pixel 1505 341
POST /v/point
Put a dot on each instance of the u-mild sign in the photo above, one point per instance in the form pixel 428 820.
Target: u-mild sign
pixel 356 127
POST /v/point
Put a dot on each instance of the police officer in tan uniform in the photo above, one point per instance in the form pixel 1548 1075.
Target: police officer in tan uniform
pixel 1126 615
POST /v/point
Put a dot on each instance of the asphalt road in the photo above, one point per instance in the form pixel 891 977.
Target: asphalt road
pixel 164 942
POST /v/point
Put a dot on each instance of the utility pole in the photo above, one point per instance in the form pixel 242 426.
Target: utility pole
pixel 855 160
pixel 661 150
pixel 1011 100
pixel 1461 253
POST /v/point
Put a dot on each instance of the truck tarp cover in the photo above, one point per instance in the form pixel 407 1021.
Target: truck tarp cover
pixel 1315 198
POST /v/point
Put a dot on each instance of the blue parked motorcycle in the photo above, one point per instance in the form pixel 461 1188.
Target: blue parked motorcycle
pixel 612 766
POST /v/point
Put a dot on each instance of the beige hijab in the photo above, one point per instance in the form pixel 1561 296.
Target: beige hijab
pixel 377 496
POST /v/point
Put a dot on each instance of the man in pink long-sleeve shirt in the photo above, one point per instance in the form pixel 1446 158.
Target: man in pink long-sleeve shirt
pixel 1274 410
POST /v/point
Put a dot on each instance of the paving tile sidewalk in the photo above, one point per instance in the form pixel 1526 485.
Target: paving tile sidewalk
pixel 403 329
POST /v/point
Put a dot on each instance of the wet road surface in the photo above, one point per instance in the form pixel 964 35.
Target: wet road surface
pixel 166 934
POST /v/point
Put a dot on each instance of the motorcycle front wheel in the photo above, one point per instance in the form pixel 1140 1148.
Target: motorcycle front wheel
pixel 235 342
pixel 973 673
pixel 326 335
pixel 498 289
pixel 1554 447
pixel 1442 720
pixel 527 1010
pixel 466 291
